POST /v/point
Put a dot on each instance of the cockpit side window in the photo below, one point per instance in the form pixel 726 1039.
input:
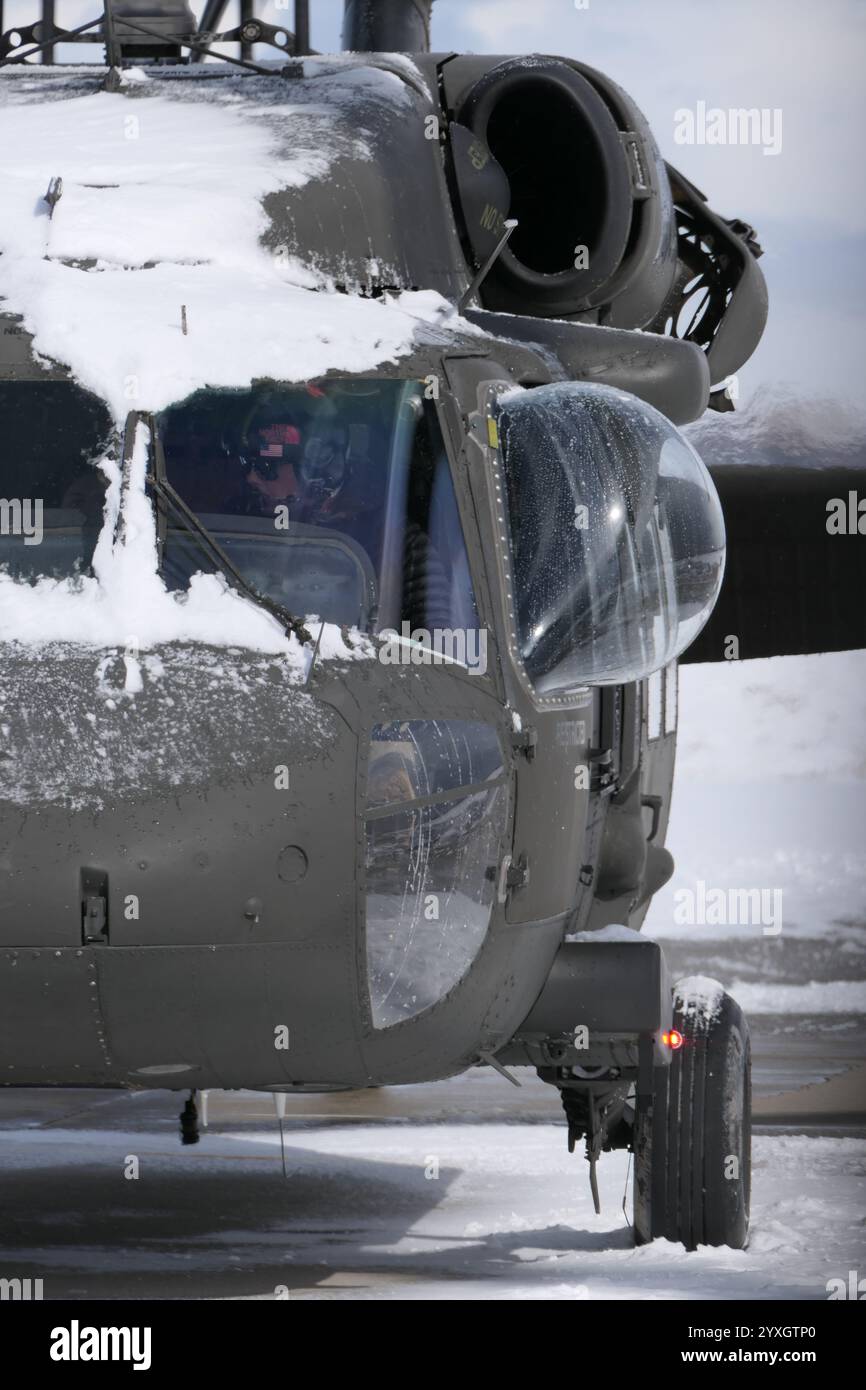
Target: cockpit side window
pixel 52 491
pixel 436 590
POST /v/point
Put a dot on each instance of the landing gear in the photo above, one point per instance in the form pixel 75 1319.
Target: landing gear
pixel 692 1135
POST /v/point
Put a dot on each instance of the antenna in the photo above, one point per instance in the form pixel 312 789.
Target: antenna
pixel 488 265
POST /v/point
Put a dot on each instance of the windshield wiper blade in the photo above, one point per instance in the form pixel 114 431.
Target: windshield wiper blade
pixel 215 553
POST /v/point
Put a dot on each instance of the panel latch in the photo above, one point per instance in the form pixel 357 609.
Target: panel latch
pixel 94 907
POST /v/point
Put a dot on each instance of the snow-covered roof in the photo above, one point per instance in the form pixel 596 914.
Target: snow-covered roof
pixel 161 207
pixel 161 218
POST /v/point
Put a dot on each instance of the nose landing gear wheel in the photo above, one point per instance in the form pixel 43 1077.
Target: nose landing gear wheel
pixel 692 1138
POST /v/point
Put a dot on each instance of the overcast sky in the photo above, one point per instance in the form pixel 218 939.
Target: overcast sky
pixel 800 58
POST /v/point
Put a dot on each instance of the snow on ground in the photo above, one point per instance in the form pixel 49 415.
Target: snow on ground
pixel 507 1215
pixel 770 794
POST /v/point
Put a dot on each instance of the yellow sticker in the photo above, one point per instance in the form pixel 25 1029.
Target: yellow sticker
pixel 492 433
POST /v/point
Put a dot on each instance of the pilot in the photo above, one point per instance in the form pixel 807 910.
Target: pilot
pixel 302 461
pixel 294 459
pixel 269 453
pixel 325 496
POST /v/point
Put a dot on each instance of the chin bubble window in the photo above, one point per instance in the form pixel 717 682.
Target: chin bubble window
pixel 617 542
pixel 435 818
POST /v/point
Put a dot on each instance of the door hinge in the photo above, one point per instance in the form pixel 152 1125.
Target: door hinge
pixel 602 777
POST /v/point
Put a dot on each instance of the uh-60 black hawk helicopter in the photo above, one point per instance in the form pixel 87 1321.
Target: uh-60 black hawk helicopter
pixel 417 829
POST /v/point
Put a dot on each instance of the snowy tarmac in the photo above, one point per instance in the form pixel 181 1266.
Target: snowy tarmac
pixel 379 1203
pixel 465 1189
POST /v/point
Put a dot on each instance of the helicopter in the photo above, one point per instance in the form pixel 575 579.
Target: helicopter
pixel 344 582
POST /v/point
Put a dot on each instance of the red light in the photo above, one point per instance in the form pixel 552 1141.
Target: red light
pixel 673 1040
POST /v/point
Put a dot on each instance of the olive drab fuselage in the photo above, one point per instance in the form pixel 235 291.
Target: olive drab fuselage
pixel 232 877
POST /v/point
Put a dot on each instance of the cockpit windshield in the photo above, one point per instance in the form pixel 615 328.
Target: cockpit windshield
pixel 333 499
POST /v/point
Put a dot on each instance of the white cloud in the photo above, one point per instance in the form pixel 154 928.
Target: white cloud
pixel 805 59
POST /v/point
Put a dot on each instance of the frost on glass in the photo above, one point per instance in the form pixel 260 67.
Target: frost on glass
pixel 430 866
pixel 617 536
pixel 421 757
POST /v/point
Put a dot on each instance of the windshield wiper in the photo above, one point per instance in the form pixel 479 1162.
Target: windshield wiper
pixel 212 549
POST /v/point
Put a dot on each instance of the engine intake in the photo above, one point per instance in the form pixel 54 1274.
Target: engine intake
pixel 586 185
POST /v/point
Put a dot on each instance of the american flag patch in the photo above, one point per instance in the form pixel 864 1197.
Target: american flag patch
pixel 276 437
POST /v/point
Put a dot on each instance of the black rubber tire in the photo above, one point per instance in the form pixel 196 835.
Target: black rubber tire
pixel 692 1139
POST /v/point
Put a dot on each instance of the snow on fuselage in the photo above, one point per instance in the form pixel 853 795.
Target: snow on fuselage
pixel 160 271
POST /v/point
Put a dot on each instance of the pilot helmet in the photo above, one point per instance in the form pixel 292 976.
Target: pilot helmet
pixel 270 438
